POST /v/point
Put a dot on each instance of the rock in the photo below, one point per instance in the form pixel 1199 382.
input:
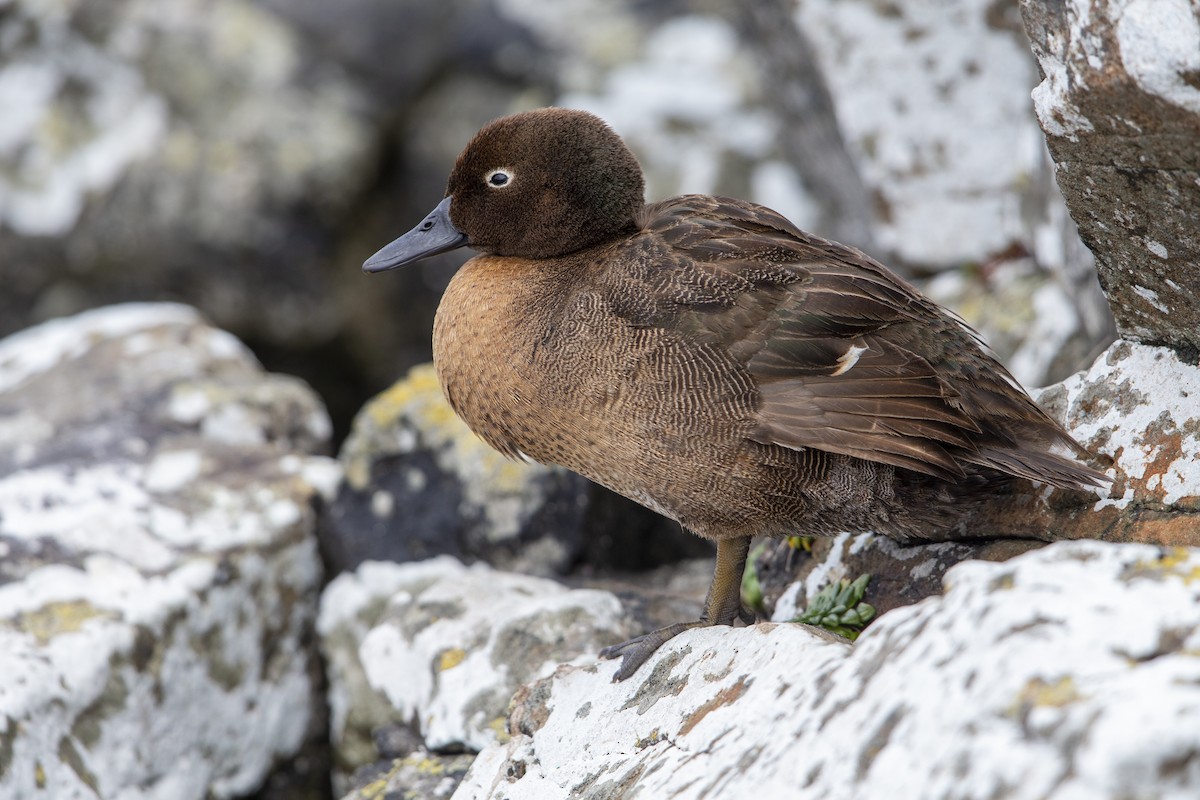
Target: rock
pixel 1137 409
pixel 419 483
pixel 901 574
pixel 442 647
pixel 420 776
pixel 1119 102
pixel 1024 680
pixel 158 568
pixel 943 167
pixel 210 127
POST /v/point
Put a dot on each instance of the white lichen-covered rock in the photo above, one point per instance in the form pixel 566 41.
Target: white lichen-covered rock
pixel 1070 672
pixel 1140 405
pixel 158 568
pixel 443 647
pixel 208 133
pixel 934 100
pixel 1120 105
pixel 229 113
pixel 1137 409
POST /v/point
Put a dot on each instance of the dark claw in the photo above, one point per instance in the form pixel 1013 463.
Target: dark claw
pixel 632 653
pixel 617 650
pixel 638 650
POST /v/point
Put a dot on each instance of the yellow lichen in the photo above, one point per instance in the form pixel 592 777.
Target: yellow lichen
pixel 1038 693
pixel 375 790
pixel 54 619
pixel 499 726
pixel 417 394
pixel 427 766
pixel 449 659
pixel 1172 563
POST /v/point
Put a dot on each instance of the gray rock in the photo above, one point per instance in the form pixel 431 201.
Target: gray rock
pixel 206 134
pixel 442 647
pixel 420 776
pixel 1027 679
pixel 159 567
pixel 1119 102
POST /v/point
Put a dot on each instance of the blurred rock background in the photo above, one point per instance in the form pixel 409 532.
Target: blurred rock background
pixel 245 157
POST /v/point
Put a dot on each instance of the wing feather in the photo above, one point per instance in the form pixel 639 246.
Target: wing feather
pixel 846 356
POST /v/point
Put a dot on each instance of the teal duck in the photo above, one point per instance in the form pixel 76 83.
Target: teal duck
pixel 708 359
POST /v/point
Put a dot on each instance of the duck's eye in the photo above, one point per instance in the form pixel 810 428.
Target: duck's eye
pixel 499 177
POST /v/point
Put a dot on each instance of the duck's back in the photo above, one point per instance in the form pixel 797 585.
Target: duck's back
pixel 739 375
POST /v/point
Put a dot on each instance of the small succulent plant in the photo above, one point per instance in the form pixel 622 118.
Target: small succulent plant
pixel 838 608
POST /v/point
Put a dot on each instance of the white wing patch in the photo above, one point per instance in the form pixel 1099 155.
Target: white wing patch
pixel 848 359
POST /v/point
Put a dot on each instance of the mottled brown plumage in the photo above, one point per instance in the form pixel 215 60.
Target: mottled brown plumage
pixel 708 359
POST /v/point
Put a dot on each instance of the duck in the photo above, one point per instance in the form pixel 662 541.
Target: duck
pixel 706 358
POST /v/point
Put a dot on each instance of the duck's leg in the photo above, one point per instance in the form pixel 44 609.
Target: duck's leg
pixel 724 604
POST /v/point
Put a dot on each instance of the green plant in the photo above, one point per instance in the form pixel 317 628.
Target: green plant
pixel 752 593
pixel 839 608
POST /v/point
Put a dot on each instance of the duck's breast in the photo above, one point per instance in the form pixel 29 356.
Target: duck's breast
pixel 538 364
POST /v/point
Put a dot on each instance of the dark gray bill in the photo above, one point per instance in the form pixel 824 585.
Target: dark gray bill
pixel 436 234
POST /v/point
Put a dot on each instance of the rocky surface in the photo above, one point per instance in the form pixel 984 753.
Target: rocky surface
pixel 948 175
pixel 1026 679
pixel 419 776
pixel 1138 410
pixel 207 126
pixel 158 565
pixel 1120 105
pixel 441 648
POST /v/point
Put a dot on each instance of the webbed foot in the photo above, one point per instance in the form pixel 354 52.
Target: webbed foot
pixel 637 650
pixel 724 604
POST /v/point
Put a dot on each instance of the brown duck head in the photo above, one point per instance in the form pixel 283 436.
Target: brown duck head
pixel 538 184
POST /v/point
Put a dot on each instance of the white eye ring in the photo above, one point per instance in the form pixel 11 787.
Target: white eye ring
pixel 499 178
